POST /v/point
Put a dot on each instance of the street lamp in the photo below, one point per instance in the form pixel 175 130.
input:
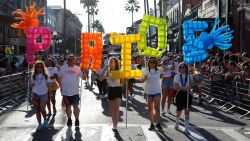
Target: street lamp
pixel 57 41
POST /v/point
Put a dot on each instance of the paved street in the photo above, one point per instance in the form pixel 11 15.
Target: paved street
pixel 95 123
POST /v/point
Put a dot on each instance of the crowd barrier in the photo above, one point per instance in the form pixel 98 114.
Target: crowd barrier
pixel 229 93
pixel 13 90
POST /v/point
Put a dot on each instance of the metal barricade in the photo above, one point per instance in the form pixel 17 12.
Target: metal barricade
pixel 13 90
pixel 228 93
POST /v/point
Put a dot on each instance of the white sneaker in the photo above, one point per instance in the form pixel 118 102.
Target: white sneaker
pixel 168 111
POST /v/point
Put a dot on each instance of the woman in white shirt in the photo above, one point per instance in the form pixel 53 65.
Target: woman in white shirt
pixel 114 90
pixel 182 83
pixel 151 77
pixel 53 71
pixel 39 84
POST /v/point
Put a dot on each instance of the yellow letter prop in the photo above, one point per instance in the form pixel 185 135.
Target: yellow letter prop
pixel 126 42
pixel 142 45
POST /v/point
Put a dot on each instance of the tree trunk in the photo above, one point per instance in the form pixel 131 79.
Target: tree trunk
pixel 132 18
pixel 88 20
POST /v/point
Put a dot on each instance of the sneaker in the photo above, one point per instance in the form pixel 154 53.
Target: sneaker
pixel 45 124
pixel 114 128
pixel 77 123
pixel 163 112
pixel 169 111
pixel 69 123
pixel 105 96
pixel 186 131
pixel 39 127
pixel 158 126
pixel 152 127
pixel 176 127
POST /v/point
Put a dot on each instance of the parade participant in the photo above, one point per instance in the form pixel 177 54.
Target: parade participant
pixel 102 84
pixel 131 81
pixel 52 69
pixel 151 77
pixel 182 83
pixel 39 84
pixel 69 83
pixel 167 83
pixel 114 90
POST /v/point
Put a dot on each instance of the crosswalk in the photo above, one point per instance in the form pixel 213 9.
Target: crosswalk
pixel 103 132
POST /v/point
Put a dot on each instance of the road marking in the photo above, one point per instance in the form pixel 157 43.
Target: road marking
pixel 194 135
pixel 149 135
pixel 107 134
pixel 235 135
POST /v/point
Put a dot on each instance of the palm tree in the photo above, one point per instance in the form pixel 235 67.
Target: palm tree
pixel 97 26
pixel 93 11
pixel 131 6
pixel 88 4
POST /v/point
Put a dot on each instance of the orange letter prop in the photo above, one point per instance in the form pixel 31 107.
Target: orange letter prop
pixel 126 42
pixel 87 51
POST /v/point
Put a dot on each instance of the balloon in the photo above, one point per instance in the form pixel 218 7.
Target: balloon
pixel 126 42
pixel 87 51
pixel 32 46
pixel 194 50
pixel 27 18
pixel 162 36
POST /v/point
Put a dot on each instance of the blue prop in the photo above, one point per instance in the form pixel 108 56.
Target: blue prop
pixel 194 50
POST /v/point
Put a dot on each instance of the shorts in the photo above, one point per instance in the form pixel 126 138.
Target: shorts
pixel 72 100
pixel 114 92
pixel 167 84
pixel 40 97
pixel 181 100
pixel 153 96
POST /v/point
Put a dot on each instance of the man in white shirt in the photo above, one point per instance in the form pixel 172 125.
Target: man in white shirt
pixel 69 83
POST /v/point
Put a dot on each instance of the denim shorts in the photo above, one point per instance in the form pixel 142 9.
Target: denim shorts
pixel 153 96
pixel 167 84
pixel 40 97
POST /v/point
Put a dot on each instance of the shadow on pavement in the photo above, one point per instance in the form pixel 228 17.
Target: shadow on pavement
pixel 78 135
pixel 118 136
pixel 162 136
pixel 45 134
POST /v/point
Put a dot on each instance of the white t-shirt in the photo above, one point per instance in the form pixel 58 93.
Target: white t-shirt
pixel 177 79
pixel 168 72
pixel 70 79
pixel 52 71
pixel 113 82
pixel 153 82
pixel 40 84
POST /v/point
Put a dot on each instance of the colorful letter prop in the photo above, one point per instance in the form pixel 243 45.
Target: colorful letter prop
pixel 126 42
pixel 195 50
pixel 87 51
pixel 32 46
pixel 29 18
pixel 162 36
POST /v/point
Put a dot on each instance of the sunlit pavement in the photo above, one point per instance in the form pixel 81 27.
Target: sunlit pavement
pixel 207 123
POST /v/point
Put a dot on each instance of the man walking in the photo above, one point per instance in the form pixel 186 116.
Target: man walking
pixel 69 75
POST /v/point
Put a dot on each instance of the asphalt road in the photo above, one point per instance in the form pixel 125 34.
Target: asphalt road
pixel 207 123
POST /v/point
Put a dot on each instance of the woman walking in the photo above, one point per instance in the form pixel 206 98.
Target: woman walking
pixel 114 90
pixel 53 71
pixel 39 84
pixel 151 77
pixel 182 83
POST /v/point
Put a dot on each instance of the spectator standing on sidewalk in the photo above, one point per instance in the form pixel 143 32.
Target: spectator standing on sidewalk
pixel 102 83
pixel 69 83
pixel 39 84
pixel 182 83
pixel 114 90
pixel 53 71
pixel 151 76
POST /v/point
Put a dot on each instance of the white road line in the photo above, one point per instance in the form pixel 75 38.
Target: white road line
pixel 107 134
pixel 235 135
pixel 194 135
pixel 149 135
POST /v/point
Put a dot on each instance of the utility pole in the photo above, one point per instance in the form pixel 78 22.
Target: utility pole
pixel 64 25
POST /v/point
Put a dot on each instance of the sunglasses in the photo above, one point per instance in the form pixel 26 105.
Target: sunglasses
pixel 152 62
pixel 39 66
